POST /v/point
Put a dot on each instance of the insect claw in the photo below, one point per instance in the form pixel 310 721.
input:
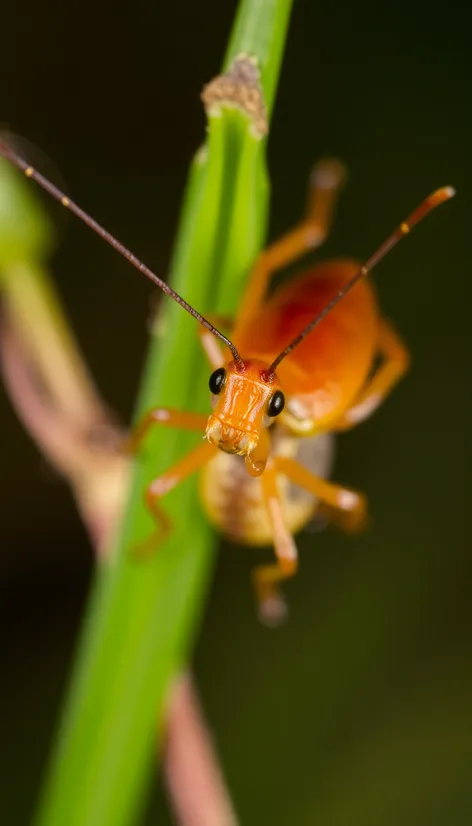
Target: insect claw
pixel 328 173
pixel 273 611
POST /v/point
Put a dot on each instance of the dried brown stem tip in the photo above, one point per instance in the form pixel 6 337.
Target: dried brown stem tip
pixel 239 87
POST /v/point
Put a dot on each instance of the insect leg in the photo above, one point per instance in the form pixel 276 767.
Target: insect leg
pixel 325 182
pixel 272 607
pixel 349 504
pixel 189 464
pixel 166 417
pixel 394 366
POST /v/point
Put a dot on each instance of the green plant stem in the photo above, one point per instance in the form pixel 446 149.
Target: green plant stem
pixel 143 615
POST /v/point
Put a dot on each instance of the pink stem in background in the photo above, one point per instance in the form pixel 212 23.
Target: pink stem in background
pixel 194 778
pixel 83 452
pixel 86 454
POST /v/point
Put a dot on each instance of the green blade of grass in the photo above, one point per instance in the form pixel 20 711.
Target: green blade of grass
pixel 260 29
pixel 143 616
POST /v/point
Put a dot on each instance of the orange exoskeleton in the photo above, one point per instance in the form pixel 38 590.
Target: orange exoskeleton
pixel 299 367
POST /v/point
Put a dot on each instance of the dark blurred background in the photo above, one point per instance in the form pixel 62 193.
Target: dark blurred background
pixel 359 710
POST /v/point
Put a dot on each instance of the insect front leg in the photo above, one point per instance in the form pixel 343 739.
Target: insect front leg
pixel 183 420
pixel 267 578
pixel 350 505
pixel 325 183
pixel 172 477
pixel 165 417
pixel 395 363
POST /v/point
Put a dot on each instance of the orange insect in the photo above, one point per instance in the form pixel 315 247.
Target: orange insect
pixel 300 370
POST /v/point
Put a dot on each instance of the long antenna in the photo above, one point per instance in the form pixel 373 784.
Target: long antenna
pixel 430 203
pixel 66 202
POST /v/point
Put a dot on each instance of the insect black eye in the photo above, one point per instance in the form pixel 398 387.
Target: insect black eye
pixel 217 380
pixel 276 404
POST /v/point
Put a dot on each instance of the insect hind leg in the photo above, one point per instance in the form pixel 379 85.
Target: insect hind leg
pixel 326 181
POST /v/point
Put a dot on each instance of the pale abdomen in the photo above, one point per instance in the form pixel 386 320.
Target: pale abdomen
pixel 233 502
